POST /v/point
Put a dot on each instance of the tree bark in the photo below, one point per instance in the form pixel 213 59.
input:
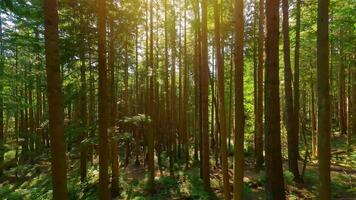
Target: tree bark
pixel 239 104
pixel 292 134
pixel 323 99
pixel 353 101
pixel 296 71
pixel 55 101
pixel 205 97
pixel 103 110
pixel 221 100
pixel 2 150
pixel 259 116
pixel 273 159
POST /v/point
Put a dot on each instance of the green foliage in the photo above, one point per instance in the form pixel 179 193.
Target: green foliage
pixel 288 177
pixel 196 187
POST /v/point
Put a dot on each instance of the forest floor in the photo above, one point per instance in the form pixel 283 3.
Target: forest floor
pixel 32 180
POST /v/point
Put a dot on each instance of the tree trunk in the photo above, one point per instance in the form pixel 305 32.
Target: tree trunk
pixel 323 99
pixel 296 72
pixel 2 150
pixel 239 104
pixel 274 170
pixel 342 94
pixel 221 102
pixel 112 105
pixel 259 121
pixel 103 110
pixel 292 135
pixel 150 139
pixel 205 98
pixel 55 101
pixel 353 101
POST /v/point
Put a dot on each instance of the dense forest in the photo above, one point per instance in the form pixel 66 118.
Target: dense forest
pixel 177 99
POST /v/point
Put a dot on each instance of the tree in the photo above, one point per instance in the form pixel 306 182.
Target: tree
pixel 239 103
pixel 55 101
pixel 1 99
pixel 83 104
pixel 204 73
pixel 296 90
pixel 259 120
pixel 292 135
pixel 353 71
pixel 221 100
pixel 150 139
pixel 323 99
pixel 273 157
pixel 103 99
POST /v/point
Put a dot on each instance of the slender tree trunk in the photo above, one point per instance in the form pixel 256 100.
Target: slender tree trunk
pixel 150 139
pixel 205 97
pixel 274 170
pixel 103 110
pixel 221 96
pixel 2 150
pixel 185 92
pixel 259 121
pixel 313 121
pixel 55 101
pixel 342 94
pixel 292 135
pixel 296 72
pixel 353 101
pixel 239 104
pixel 323 99
pixel 83 117
pixel 173 90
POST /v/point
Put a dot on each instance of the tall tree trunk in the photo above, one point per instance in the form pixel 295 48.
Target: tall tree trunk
pixel 342 94
pixel 167 96
pixel 292 135
pixel 83 116
pixel 55 101
pixel 150 139
pixel 221 96
pixel 205 97
pixel 173 89
pixel 113 111
pixel 296 72
pixel 259 121
pixel 239 104
pixel 313 119
pixel 274 170
pixel 323 99
pixel 103 110
pixel 353 101
pixel 185 92
pixel 2 150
